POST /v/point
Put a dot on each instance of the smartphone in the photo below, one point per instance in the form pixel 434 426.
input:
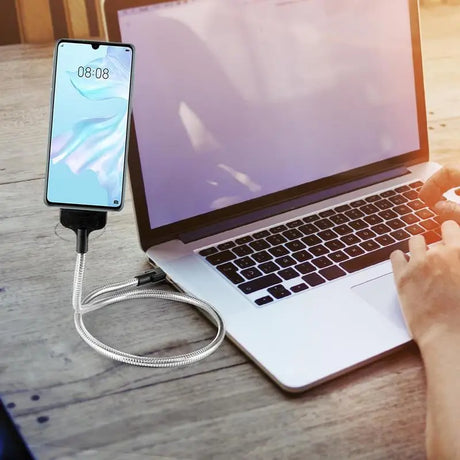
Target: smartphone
pixel 89 124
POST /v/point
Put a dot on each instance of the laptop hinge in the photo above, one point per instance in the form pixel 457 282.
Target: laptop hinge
pixel 289 205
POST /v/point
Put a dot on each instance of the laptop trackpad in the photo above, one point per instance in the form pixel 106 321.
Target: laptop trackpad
pixel 381 294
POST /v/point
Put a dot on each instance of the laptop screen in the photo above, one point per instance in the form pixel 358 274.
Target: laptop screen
pixel 238 99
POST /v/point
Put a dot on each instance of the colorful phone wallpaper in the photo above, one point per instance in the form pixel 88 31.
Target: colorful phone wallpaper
pixel 89 125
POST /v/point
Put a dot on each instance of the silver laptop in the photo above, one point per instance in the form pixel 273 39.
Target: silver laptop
pixel 276 156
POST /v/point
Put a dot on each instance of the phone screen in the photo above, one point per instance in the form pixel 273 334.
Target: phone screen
pixel 90 109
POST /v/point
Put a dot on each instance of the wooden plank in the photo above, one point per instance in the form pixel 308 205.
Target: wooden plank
pixel 77 18
pixel 9 26
pixel 35 21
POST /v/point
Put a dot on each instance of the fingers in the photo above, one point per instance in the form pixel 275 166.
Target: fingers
pixel 450 233
pixel 448 210
pixel 417 247
pixel 398 263
pixel 441 181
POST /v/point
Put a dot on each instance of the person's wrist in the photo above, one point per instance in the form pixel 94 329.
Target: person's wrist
pixel 436 340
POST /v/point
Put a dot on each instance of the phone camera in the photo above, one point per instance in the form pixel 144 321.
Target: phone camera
pixel 95 46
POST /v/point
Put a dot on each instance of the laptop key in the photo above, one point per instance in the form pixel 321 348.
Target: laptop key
pixel 372 258
pixel 251 273
pixel 416 184
pixel 350 239
pixel 369 245
pixel 313 279
pixel 387 193
pixel 354 214
pixel 306 267
pixel 354 251
pixel 327 235
pixel 276 239
pixel 366 234
pixel 226 245
pixel 245 262
pixel 288 273
pixel 411 194
pixel 414 229
pixel 383 204
pixel 381 229
pixel 398 199
pixel 339 219
pixel 322 262
pixel 431 237
pixel 259 245
pixel 416 205
pixel 388 214
pixel 308 229
pixel 372 198
pixel 402 188
pixel 243 250
pixel 302 256
pixel 262 282
pixel 323 224
pixel 358 224
pixel 262 256
pixel 319 250
pixel 396 224
pixel 278 229
pixel 261 234
pixel 292 234
pixel 208 251
pixel 399 235
pixel 338 256
pixel 424 214
pixel 285 261
pixel 343 229
pixel 311 240
pixel 294 223
pixel 334 245
pixel 402 209
pixel 278 251
pixel 295 245
pixel 221 257
pixel 357 203
pixel 385 240
pixel 327 213
pixel 312 218
pixel 299 287
pixel 332 273
pixel 278 291
pixel 342 208
pixel 230 271
pixel 369 209
pixel 268 267
pixel 410 219
pixel 373 219
pixel 243 239
pixel 429 224
pixel 264 300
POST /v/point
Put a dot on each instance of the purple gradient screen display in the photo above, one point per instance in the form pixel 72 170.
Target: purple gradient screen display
pixel 236 99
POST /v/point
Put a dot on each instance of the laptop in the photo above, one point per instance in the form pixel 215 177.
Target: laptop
pixel 276 155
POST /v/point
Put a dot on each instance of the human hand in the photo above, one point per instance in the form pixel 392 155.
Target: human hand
pixel 431 193
pixel 428 286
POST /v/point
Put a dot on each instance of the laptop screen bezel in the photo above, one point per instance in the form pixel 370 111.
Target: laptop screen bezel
pixel 150 237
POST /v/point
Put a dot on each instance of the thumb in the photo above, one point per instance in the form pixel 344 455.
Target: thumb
pixel 448 210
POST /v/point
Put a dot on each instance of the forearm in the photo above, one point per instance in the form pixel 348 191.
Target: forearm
pixel 442 367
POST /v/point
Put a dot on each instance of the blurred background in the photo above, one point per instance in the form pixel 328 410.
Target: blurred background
pixel 43 21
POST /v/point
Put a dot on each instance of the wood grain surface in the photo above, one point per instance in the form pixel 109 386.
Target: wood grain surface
pixel 73 403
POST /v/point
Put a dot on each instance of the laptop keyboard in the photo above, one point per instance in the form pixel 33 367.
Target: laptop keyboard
pixel 301 254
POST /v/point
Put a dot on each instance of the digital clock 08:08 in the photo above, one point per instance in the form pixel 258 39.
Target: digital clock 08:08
pixel 88 72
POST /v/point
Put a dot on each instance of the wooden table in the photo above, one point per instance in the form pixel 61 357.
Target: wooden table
pixel 70 401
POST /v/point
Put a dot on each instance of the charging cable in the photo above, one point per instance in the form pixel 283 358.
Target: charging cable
pixel 83 223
